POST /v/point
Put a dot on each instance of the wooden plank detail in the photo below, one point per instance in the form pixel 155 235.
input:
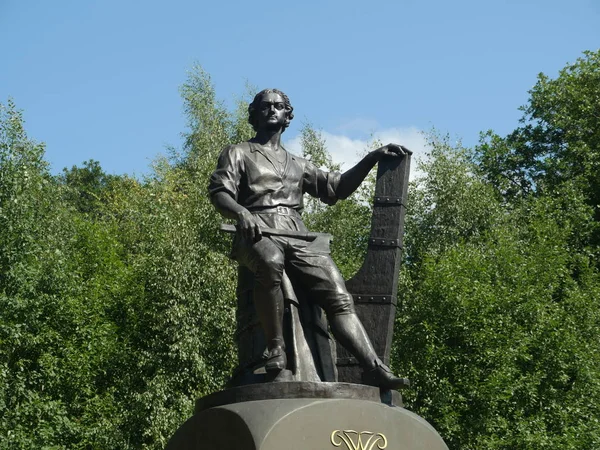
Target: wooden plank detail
pixel 377 279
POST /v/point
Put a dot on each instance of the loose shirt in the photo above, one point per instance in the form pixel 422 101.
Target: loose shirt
pixel 259 182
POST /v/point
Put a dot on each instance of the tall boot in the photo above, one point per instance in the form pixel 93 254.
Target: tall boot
pixel 269 308
pixel 349 331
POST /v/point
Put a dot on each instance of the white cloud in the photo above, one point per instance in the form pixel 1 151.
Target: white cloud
pixel 348 151
pixel 358 125
pixel 293 145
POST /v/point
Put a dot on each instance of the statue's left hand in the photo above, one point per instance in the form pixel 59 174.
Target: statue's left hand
pixel 390 150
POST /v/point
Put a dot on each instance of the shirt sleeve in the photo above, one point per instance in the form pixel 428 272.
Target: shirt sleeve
pixel 226 177
pixel 321 184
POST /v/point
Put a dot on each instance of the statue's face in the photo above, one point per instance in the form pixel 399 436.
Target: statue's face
pixel 271 112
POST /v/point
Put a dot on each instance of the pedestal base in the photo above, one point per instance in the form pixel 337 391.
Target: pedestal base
pixel 347 421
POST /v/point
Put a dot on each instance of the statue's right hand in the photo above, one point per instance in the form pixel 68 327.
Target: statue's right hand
pixel 248 226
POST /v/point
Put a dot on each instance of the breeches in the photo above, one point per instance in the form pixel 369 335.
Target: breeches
pixel 309 264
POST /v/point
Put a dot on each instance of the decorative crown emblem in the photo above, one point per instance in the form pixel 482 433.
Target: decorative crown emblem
pixel 354 439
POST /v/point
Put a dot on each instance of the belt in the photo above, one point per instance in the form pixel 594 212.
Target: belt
pixel 280 210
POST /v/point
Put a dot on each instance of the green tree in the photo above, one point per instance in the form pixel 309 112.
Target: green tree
pixel 180 326
pixel 86 186
pixel 496 326
pixel 58 278
pixel 349 221
pixel 117 297
pixel 558 141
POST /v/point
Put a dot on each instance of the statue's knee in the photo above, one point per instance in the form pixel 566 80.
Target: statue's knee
pixel 340 305
pixel 270 269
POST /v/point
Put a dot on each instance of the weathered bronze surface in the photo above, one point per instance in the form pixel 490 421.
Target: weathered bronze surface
pixel 290 295
pixel 288 283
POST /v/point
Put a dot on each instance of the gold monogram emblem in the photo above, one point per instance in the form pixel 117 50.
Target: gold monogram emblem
pixel 354 439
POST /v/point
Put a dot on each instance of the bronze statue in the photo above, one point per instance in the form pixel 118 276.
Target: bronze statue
pixel 261 186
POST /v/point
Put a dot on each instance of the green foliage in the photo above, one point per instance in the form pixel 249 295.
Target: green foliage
pixel 57 277
pixel 86 186
pixel 454 205
pixel 117 295
pixel 558 141
pixel 117 298
pixel 349 221
pixel 181 322
pixel 499 312
pixel 179 325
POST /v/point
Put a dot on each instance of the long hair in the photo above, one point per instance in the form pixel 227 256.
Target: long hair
pixel 253 108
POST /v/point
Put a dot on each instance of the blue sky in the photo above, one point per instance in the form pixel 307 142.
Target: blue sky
pixel 99 79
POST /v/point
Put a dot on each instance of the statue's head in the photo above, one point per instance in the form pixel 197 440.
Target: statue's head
pixel 253 108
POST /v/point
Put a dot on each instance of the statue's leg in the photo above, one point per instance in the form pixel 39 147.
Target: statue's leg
pixel 313 267
pixel 266 260
pixel 350 333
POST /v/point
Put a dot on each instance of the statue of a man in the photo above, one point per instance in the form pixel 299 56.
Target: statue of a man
pixel 259 184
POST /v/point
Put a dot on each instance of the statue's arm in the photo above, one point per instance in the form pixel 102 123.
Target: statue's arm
pixel 223 190
pixel 352 178
pixel 228 207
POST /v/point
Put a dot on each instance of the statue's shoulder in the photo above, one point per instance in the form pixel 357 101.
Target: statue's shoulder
pixel 240 148
pixel 234 153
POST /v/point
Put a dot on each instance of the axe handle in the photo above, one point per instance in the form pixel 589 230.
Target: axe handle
pixel 306 235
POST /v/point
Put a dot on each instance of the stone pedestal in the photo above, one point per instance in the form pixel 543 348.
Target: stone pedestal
pixel 307 416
